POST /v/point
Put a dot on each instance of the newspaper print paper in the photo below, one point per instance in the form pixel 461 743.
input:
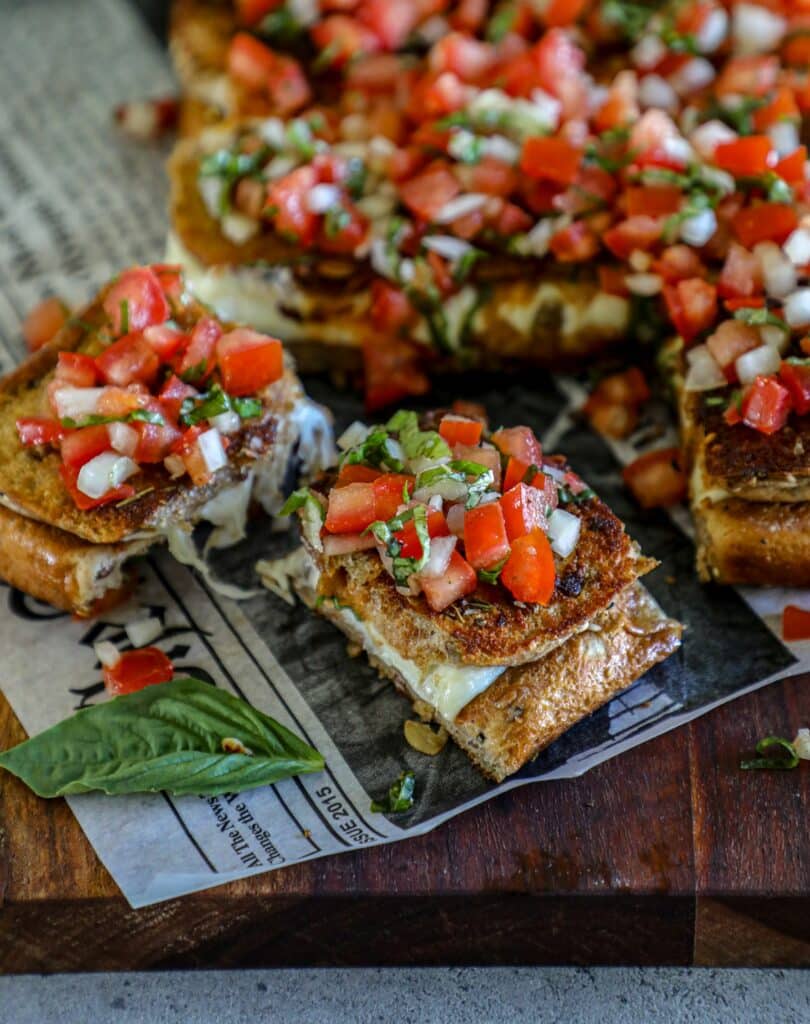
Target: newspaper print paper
pixel 78 202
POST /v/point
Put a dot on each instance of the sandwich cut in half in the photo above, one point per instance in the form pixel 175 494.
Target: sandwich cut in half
pixel 483 577
pixel 142 416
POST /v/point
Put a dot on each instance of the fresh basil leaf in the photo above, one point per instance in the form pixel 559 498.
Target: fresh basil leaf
pixel 247 408
pixel 230 166
pixel 501 22
pixel 136 416
pixel 628 17
pixel 336 219
pixel 567 497
pixel 281 27
pixel 375 451
pixel 298 499
pixel 355 178
pixel 174 737
pixel 399 797
pixel 416 443
pixel 788 760
pixel 464 265
pixel 492 575
pixel 384 532
pixel 759 316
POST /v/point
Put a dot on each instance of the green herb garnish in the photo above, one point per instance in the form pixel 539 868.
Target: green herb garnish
pixel 492 575
pixel 788 760
pixel 214 402
pixel 417 443
pixel 136 416
pixel 124 316
pixel 403 568
pixel 336 219
pixel 175 736
pixel 298 499
pixel 399 797
pixel 375 450
pixel 759 316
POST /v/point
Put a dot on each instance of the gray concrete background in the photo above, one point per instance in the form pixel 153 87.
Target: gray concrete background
pixel 413 996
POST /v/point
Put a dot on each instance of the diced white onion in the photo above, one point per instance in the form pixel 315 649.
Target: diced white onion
pixel 304 12
pixel 713 30
pixel 488 497
pixel 455 520
pixel 448 246
pixel 271 130
pixel 755 29
pixel 644 284
pixel 802 744
pixel 778 273
pixel 546 107
pixel 322 197
pixel 563 532
pixel 226 422
pixel 210 188
pixel 648 51
pixel 655 91
pixel 785 137
pixel 212 450
pixel 539 238
pixel 107 653
pixel 797 308
pixel 104 473
pixel 395 449
pixel 75 403
pixel 698 230
pixel 441 550
pixel 707 137
pixel 797 247
pixel 640 260
pixel 174 466
pixel 353 435
pixel 347 543
pixel 762 360
pixel 676 147
pixel 775 337
pixel 460 207
pixel 703 374
pixel 433 29
pixel 123 438
pixel 279 167
pixel 695 74
pixel 382 258
pixel 423 463
pixel 142 632
pixel 501 148
pixel 237 227
pixel 435 502
pixel 555 473
pixel 717 180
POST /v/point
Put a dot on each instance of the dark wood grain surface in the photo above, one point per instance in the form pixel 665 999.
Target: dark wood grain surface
pixel 668 854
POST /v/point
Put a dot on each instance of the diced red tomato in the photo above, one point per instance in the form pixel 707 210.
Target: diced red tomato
pixel 39 430
pixel 657 479
pixel 197 362
pixel 351 508
pixel 170 276
pixel 188 448
pixel 128 360
pixel 356 473
pixel 489 175
pixel 339 38
pixel 559 63
pixel 653 201
pixel 731 339
pixel 392 370
pixel 460 430
pixel 389 493
pixel 70 475
pixel 691 305
pixel 633 233
pixel 746 157
pixel 135 670
pixel 155 441
pixel 741 275
pixel 485 539
pixel 748 76
pixel 79 446
pixel 519 442
pixel 114 401
pixel 781 107
pixel 346 237
pixel 164 340
pixel 248 361
pixel 621 104
pixel 249 61
pixel 135 301
pixel 173 393
pixel 766 405
pixel 791 167
pixel 529 574
pixel 612 280
pixel 42 323
pixel 250 12
pixel 516 470
pixel 390 307
pixel 796 378
pixel 469 15
pixel 489 458
pixel 76 369
pixel 766 222
pixel 551 158
pixel 677 262
pixel 459 580
pixel 524 510
pixel 576 243
pixel 287 197
pixel 628 387
pixel 462 54
pixel 410 545
pixel 429 191
pixel 561 13
pixel 611 419
pixel 795 623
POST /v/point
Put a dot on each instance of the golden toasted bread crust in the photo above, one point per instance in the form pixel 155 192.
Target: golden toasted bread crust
pixel 60 570
pixel 750 542
pixel 491 628
pixel 199 35
pixel 29 477
pixel 529 706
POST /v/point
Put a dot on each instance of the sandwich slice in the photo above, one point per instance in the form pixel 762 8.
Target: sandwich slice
pixel 330 247
pixel 143 416
pixel 481 576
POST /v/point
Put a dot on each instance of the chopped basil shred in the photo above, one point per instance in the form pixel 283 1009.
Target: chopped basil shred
pixel 789 759
pixel 375 451
pixel 492 575
pixel 759 316
pixel 215 402
pixel 124 316
pixel 136 416
pixel 298 499
pixel 399 797
pixel 417 443
pixel 384 532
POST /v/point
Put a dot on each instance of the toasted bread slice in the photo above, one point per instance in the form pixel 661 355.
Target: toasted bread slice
pixel 200 32
pixel 527 707
pixel 512 311
pixel 29 477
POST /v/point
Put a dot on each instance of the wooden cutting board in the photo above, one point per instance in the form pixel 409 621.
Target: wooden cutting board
pixel 668 854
